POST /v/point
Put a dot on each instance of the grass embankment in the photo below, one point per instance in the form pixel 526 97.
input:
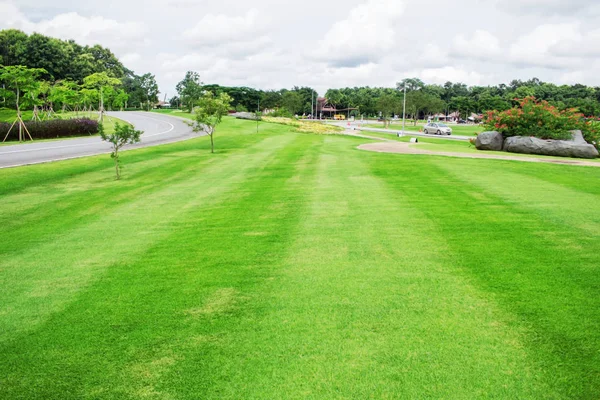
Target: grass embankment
pixel 175 113
pixel 295 266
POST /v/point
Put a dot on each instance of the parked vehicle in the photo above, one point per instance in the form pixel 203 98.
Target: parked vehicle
pixel 437 129
pixel 339 117
pixel 461 121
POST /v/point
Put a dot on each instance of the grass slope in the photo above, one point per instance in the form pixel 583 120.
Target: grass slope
pixel 295 266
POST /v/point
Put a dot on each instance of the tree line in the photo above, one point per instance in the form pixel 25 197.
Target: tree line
pixel 298 100
pixel 421 99
pixel 66 64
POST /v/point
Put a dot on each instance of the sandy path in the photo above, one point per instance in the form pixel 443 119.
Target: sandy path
pixel 410 148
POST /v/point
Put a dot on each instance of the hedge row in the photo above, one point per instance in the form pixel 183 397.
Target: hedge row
pixel 51 129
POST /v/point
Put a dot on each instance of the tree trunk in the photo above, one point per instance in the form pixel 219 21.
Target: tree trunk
pixel 19 116
pixel 102 107
pixel 117 164
pixel 212 143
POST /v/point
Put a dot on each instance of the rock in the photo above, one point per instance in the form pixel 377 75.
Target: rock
pixel 578 137
pixel 559 148
pixel 489 141
pixel 245 115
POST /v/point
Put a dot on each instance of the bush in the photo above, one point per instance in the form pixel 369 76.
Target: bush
pixel 281 113
pixel 542 120
pixel 52 129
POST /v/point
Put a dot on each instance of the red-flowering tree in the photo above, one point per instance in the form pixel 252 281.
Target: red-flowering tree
pixel 542 120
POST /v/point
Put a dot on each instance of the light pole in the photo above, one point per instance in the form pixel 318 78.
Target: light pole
pixel 404 111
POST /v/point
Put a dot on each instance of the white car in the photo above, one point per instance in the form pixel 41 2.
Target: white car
pixel 437 128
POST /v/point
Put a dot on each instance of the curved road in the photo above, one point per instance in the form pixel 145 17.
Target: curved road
pixel 363 126
pixel 158 129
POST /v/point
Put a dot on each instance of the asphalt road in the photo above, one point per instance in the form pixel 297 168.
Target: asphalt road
pixel 365 128
pixel 157 128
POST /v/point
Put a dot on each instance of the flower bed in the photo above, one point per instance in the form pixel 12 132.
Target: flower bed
pixel 304 126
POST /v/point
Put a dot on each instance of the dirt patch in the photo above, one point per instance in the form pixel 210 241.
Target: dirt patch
pixel 219 302
pixel 408 148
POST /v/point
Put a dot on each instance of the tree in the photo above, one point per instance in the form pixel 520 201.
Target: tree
pixel 292 101
pixel 190 89
pixel 335 97
pixel 20 80
pixel 387 104
pixel 123 135
pixel 210 113
pixel 150 88
pixel 410 84
pixel 100 81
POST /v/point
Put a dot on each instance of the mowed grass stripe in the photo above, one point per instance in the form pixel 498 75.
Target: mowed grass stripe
pixel 162 300
pixel 541 267
pixel 366 304
pixel 47 274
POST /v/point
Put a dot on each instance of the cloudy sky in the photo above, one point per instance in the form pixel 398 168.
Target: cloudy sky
pixel 271 44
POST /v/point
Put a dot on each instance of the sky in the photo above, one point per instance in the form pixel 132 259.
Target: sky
pixel 269 44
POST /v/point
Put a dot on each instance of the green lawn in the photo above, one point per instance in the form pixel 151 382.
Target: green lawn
pixel 175 113
pixel 295 266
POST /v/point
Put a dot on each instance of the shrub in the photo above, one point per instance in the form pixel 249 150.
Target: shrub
pixel 539 119
pixel 52 129
pixel 281 113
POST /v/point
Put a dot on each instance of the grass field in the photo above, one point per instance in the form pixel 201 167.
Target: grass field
pixel 295 266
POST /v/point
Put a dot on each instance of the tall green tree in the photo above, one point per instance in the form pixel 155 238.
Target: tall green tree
pixel 20 80
pixel 387 105
pixel 190 89
pixel 100 81
pixel 150 88
pixel 292 101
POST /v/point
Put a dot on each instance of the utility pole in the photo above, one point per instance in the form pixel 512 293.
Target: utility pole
pixel 312 103
pixel 257 115
pixel 404 111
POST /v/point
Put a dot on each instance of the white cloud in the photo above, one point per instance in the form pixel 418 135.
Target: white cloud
pixel 449 73
pixel 534 48
pixel 480 45
pixel 364 36
pixel 586 45
pixel 214 30
pixel 546 7
pixel 85 30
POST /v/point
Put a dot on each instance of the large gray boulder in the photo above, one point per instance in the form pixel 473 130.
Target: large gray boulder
pixel 577 147
pixel 245 115
pixel 489 141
